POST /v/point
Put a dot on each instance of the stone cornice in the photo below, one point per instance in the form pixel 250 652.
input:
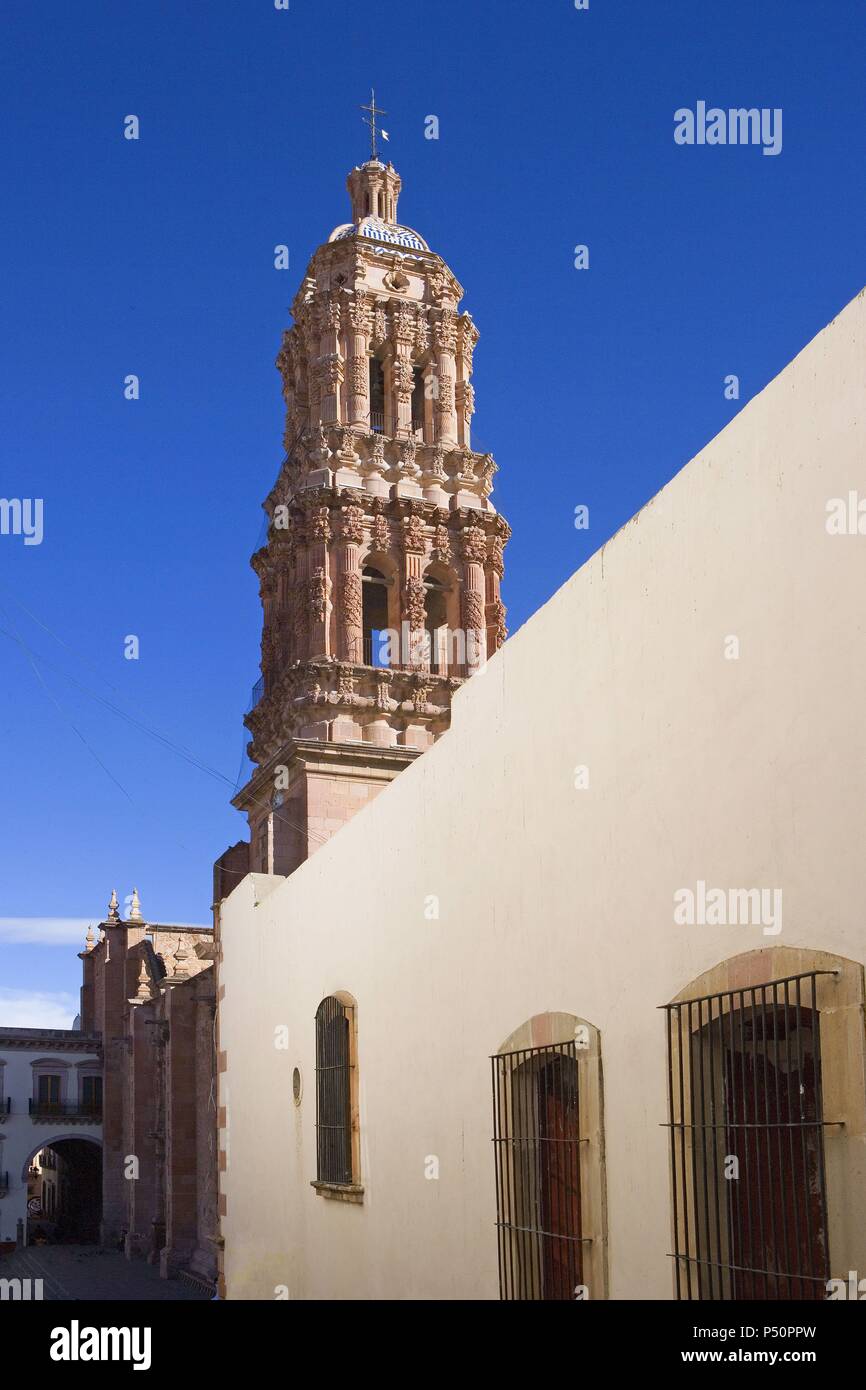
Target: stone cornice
pixel 320 756
pixel 49 1040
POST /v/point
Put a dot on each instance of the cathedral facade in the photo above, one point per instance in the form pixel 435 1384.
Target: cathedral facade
pixel 148 998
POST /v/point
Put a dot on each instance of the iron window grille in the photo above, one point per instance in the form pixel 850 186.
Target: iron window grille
pixel 747 1143
pixel 333 1093
pixel 536 1145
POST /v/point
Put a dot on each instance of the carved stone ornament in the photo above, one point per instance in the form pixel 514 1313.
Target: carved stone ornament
pixel 352 524
pixel 383 691
pixel 360 314
pixel 346 678
pixel 380 533
pixel 348 442
pixel 317 595
pixel 445 331
pixel 353 604
pixel 413 534
pixel 320 525
pixel 445 396
pixel 474 545
pixel 438 281
pixel 402 323
pixel 407 450
pixel 442 545
pixel 498 614
pixel 395 278
pixel 319 450
pixel 473 610
pixel 436 462
pixel 497 560
pixel 403 378
pixel 359 375
pixel 415 602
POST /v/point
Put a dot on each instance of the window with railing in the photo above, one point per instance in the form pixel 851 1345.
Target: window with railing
pixel 48 1089
pixel 548 1150
pixel 91 1093
pixel 377 396
pixel 747 1130
pixel 436 625
pixel 418 402
pixel 374 590
pixel 537 1147
pixel 72 1109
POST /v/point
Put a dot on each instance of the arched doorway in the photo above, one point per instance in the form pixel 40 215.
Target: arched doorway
pixel 64 1191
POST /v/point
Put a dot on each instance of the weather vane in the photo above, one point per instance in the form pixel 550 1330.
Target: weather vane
pixel 374 111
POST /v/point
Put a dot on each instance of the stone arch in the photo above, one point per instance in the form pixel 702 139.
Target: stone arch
pixel 51 1142
pixel 73 1184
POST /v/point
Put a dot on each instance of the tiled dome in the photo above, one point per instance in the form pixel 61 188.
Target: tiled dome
pixel 374 229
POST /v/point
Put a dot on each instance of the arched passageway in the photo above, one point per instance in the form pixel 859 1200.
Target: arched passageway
pixel 64 1191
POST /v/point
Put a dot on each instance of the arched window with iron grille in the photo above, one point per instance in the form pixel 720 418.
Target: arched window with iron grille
pixel 334 1093
pixel 549 1161
pixel 747 1139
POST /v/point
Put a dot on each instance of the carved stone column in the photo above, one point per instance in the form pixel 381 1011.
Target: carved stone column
pixel 351 610
pixel 414 593
pixel 331 368
pixel 445 338
pixel 360 324
pixel 494 607
pixel 474 549
pixel 402 376
pixel 310 323
pixel 318 583
pixel 464 391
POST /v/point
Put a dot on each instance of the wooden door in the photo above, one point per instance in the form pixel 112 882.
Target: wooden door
pixel 559 1178
pixel 775 1206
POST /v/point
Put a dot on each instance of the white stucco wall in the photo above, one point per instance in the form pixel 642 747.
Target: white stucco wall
pixel 747 772
pixel 20 1137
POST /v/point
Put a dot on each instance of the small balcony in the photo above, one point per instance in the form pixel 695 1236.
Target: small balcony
pixel 377 421
pixel 86 1112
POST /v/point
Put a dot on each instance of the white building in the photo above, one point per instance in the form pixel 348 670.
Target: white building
pixel 619 904
pixel 50 1097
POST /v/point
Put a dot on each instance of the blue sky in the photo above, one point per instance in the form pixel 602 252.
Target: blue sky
pixel 155 257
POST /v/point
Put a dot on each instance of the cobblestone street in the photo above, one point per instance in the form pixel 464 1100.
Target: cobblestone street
pixel 72 1273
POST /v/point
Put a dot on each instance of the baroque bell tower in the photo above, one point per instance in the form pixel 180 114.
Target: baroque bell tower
pixel 380 576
